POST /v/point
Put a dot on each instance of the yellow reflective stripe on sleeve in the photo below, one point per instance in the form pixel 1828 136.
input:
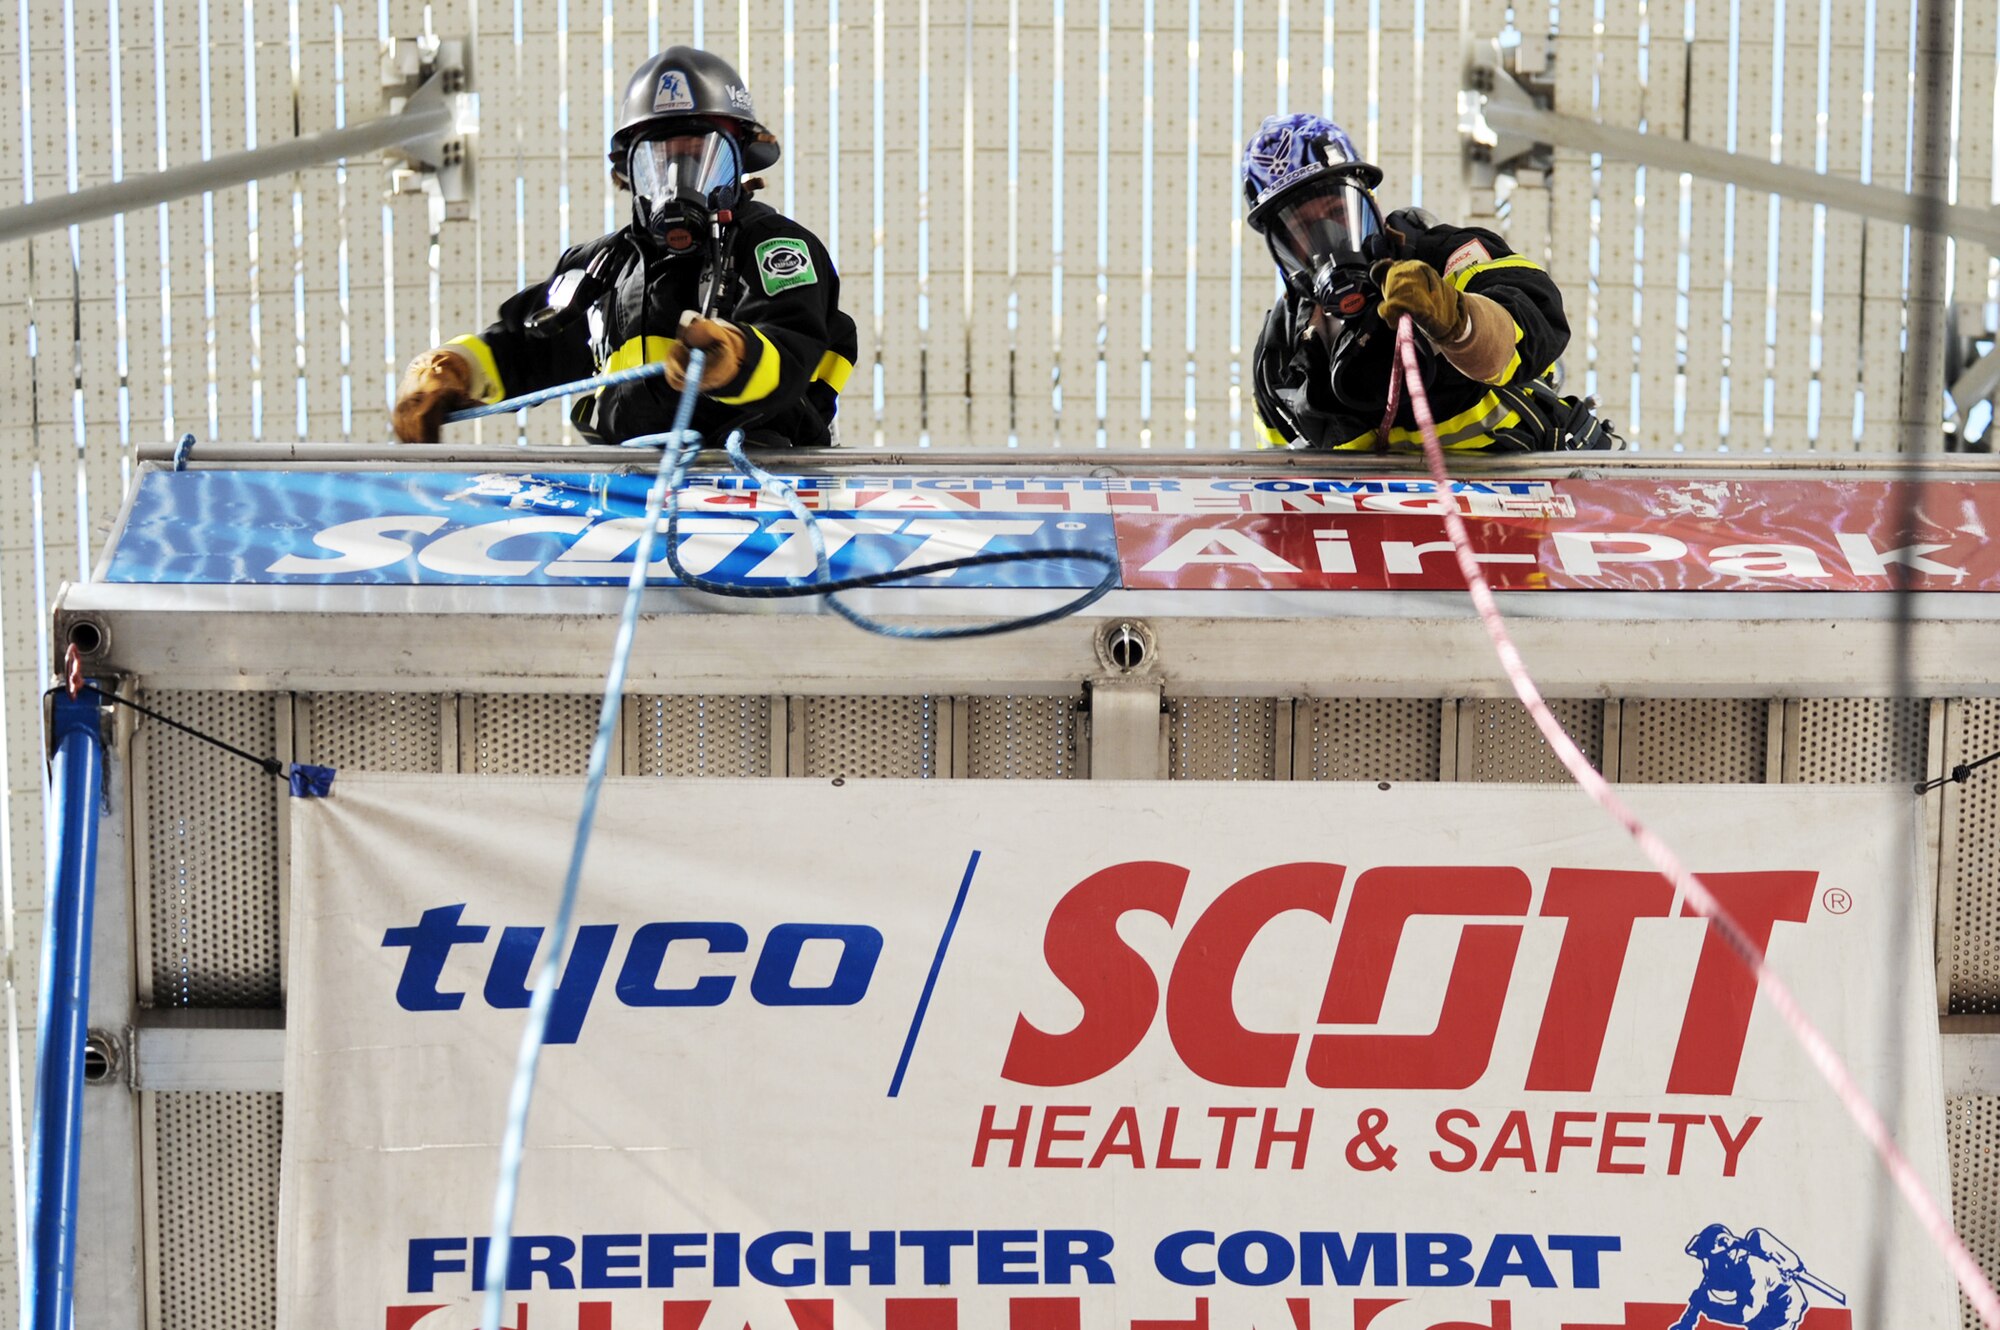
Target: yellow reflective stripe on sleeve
pixel 636 352
pixel 833 370
pixel 1470 271
pixel 1513 361
pixel 482 355
pixel 1359 443
pixel 763 379
pixel 1266 436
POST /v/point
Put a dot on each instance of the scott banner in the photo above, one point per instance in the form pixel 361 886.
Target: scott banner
pixel 996 1056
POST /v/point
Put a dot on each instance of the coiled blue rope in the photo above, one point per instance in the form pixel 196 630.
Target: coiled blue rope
pixel 679 448
pixel 822 583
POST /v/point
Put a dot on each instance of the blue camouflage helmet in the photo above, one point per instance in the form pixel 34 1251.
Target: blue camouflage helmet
pixel 1288 150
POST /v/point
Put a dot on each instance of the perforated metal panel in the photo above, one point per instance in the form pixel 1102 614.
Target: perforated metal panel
pixel 1222 738
pixel 1972 1123
pixel 1498 741
pixel 210 859
pixel 216 1184
pixel 518 734
pixel 1391 738
pixel 697 736
pixel 1670 740
pixel 875 736
pixel 1858 740
pixel 1022 738
pixel 1971 885
pixel 373 731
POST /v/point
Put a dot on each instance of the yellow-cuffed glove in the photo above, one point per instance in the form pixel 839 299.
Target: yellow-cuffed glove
pixel 723 343
pixel 437 383
pixel 1415 288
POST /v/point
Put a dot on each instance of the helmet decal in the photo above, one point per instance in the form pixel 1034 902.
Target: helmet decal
pixel 1289 148
pixel 673 94
pixel 685 82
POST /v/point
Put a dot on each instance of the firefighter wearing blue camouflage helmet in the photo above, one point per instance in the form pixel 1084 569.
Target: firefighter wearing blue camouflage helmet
pixel 1492 322
pixel 701 263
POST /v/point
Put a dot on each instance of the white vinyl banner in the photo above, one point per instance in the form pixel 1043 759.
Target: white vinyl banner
pixel 1104 1056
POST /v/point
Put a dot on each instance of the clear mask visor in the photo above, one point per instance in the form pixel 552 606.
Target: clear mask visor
pixel 1332 222
pixel 685 169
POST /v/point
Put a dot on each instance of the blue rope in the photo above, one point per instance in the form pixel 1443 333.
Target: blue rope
pixel 822 583
pixel 679 450
pixel 652 369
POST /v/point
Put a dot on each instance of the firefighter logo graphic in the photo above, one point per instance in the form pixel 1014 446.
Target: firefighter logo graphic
pixel 673 94
pixel 1754 1281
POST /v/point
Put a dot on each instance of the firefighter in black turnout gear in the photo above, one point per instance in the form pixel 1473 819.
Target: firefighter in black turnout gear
pixel 701 264
pixel 1492 321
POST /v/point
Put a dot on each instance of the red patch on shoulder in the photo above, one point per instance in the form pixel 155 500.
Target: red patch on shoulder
pixel 1465 256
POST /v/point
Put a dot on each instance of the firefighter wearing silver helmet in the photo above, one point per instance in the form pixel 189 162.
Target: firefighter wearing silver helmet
pixel 701 263
pixel 1492 322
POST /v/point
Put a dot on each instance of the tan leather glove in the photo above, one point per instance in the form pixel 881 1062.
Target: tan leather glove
pixel 437 383
pixel 1415 288
pixel 723 343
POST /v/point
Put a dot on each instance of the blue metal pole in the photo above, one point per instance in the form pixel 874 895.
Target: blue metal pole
pixel 76 778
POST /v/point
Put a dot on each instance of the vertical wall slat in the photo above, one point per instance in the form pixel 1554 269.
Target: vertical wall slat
pixel 1220 360
pixel 901 342
pixel 1884 244
pixel 1795 425
pixel 1034 335
pixel 1127 422
pixel 1619 102
pixel 989 337
pixel 1570 195
pixel 1663 102
pixel 1840 306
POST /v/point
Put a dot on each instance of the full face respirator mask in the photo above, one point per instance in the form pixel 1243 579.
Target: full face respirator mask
pixel 682 184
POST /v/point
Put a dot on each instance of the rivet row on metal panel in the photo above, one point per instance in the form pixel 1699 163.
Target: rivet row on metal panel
pixel 216 1180
pixel 1394 739
pixel 1972 1126
pixel 540 734
pixel 1022 738
pixel 1859 740
pixel 1498 741
pixel 1694 740
pixel 212 851
pixel 875 737
pixel 697 736
pixel 373 731
pixel 1222 738
pixel 1972 829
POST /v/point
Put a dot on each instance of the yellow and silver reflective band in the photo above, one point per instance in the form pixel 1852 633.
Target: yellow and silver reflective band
pixel 763 379
pixel 1473 427
pixel 482 357
pixel 1472 270
pixel 1359 443
pixel 637 351
pixel 1513 361
pixel 1266 436
pixel 833 370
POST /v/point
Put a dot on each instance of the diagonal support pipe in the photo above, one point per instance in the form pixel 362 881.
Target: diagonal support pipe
pixel 76 777
pixel 420 129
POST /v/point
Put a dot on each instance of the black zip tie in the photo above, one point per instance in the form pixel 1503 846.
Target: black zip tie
pixel 271 765
pixel 1959 774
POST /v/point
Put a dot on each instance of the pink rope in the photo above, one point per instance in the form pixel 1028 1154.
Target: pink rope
pixel 1925 1206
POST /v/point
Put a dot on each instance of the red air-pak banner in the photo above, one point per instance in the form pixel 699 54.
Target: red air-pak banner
pixel 1602 535
pixel 1159 1056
